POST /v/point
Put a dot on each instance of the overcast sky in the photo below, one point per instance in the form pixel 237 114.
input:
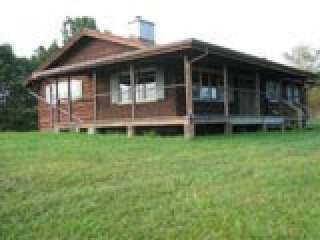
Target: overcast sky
pixel 265 28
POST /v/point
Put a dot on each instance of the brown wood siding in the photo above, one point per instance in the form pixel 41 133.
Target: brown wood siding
pixel 44 110
pixel 82 108
pixel 89 49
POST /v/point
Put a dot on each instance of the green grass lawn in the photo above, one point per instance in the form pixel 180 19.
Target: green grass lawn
pixel 248 186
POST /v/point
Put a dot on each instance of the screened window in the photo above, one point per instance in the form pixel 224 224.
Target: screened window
pixel 290 94
pixel 273 91
pixel 76 89
pixel 146 87
pixel 293 94
pixel 63 90
pixel 124 88
pixel 207 86
pixel 149 86
pixel 51 93
pixel 4 93
pixel 296 95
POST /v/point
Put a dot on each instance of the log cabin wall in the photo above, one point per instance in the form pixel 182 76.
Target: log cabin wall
pixel 84 108
pixel 44 109
pixel 81 109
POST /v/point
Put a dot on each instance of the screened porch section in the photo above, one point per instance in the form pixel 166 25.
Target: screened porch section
pixel 253 97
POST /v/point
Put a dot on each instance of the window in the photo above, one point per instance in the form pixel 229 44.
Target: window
pixel 146 88
pixel 4 94
pixel 290 94
pixel 293 94
pixel 296 95
pixel 51 94
pixel 124 88
pixel 76 89
pixel 207 86
pixel 63 90
pixel 149 86
pixel 48 93
pixel 273 91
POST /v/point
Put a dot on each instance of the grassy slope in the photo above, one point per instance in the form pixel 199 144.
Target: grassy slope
pixel 251 186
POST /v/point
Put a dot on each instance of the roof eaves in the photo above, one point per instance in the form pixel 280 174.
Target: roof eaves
pixel 94 34
pixel 251 59
pixel 116 58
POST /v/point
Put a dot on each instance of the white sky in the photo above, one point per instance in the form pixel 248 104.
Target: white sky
pixel 265 28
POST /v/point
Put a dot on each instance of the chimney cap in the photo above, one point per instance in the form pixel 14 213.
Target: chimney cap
pixel 140 19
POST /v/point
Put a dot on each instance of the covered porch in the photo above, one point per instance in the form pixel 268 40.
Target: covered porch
pixel 184 88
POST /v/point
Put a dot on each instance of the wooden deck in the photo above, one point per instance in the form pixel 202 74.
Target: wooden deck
pixel 125 122
pixel 174 121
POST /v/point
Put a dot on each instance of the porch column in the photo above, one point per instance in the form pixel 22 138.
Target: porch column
pixel 94 86
pixel 306 105
pixel 228 125
pixel 69 100
pixel 57 103
pixel 189 130
pixel 51 106
pixel 133 99
pixel 258 93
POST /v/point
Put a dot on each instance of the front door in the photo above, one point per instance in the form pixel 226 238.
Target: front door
pixel 247 96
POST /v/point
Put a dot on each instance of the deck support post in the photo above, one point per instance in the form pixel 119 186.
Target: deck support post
pixel 189 128
pixel 91 131
pixel 300 120
pixel 130 131
pixel 228 125
pixel 265 127
pixel 228 128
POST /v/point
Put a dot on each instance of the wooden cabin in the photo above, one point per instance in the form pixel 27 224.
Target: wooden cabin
pixel 102 82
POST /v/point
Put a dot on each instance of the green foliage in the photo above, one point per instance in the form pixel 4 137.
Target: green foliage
pixel 17 109
pixel 41 54
pixel 304 57
pixel 249 186
pixel 19 112
pixel 73 26
pixel 307 58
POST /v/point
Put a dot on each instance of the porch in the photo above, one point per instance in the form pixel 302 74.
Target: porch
pixel 185 90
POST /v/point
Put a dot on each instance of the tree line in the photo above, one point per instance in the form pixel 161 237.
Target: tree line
pixel 18 109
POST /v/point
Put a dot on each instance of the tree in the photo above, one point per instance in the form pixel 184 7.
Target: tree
pixel 304 57
pixel 17 107
pixel 41 54
pixel 307 58
pixel 72 26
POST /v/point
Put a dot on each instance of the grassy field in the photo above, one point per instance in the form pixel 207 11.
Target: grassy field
pixel 248 186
